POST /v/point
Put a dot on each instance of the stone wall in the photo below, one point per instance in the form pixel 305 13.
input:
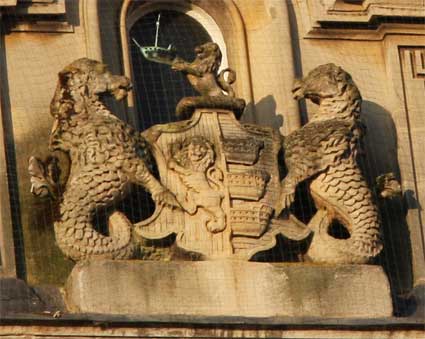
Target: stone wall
pixel 30 61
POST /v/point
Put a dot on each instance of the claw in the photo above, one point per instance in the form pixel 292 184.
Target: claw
pixel 165 198
pixel 287 196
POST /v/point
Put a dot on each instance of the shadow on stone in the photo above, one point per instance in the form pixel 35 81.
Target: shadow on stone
pixel 263 113
pixel 381 157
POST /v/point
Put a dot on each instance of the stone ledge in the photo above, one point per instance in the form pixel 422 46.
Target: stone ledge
pixel 16 297
pixel 175 331
pixel 228 288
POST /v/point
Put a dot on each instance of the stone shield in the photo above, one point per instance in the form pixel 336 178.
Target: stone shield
pixel 225 176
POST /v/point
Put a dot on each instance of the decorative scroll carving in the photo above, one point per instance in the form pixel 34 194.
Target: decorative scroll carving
pixel 203 75
pixel 106 156
pixel 324 151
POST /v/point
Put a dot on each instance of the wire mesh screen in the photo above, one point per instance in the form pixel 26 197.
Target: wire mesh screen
pixel 158 88
pixel 29 84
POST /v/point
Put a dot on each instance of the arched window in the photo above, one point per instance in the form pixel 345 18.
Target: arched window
pixel 158 89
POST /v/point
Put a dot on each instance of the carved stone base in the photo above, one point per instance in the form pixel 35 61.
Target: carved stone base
pixel 228 288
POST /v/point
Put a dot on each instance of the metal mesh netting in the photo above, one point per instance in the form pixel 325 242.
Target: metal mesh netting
pixel 156 90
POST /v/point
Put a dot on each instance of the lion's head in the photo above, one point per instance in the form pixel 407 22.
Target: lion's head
pixel 80 85
pixel 325 81
pixel 208 57
pixel 85 79
pixel 196 154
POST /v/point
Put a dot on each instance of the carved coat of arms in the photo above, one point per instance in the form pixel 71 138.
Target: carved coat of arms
pixel 220 190
pixel 225 176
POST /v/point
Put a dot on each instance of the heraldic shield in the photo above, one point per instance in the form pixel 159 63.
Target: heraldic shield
pixel 225 177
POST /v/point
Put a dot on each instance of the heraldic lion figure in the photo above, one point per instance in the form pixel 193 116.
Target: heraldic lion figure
pixel 106 156
pixel 325 151
pixel 203 75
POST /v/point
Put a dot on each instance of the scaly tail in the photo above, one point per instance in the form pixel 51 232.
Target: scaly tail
pixel 74 231
pixel 342 194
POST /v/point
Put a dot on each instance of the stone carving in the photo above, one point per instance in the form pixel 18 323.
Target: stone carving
pixel 201 183
pixel 203 75
pixel 242 151
pixel 324 151
pixel 387 186
pixel 44 177
pixel 106 156
pixel 224 174
pixel 249 185
pixel 227 186
pixel 220 190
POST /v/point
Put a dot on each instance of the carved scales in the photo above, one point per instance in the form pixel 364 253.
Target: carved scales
pixel 219 190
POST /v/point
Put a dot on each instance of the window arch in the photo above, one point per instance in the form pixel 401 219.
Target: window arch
pixel 157 88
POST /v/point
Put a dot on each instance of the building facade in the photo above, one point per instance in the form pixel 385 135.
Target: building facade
pixel 269 44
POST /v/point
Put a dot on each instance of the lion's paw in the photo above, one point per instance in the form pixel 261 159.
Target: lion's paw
pixel 165 198
pixel 286 198
pixel 216 226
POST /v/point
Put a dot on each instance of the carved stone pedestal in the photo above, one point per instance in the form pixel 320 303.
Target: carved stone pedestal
pixel 228 288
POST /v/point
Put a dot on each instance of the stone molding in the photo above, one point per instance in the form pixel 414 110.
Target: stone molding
pixel 4 3
pixel 405 69
pixel 412 68
pixel 35 15
pixel 362 20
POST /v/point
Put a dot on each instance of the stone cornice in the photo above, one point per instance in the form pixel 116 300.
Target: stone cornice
pixel 362 19
pixel 35 15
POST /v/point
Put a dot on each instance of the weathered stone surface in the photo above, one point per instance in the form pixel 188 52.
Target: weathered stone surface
pixel 326 151
pixel 102 171
pixel 17 297
pixel 223 288
pixel 203 75
pixel 178 331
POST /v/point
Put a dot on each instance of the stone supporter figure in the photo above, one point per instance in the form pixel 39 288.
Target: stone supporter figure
pixel 224 175
pixel 324 151
pixel 214 89
pixel 106 157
